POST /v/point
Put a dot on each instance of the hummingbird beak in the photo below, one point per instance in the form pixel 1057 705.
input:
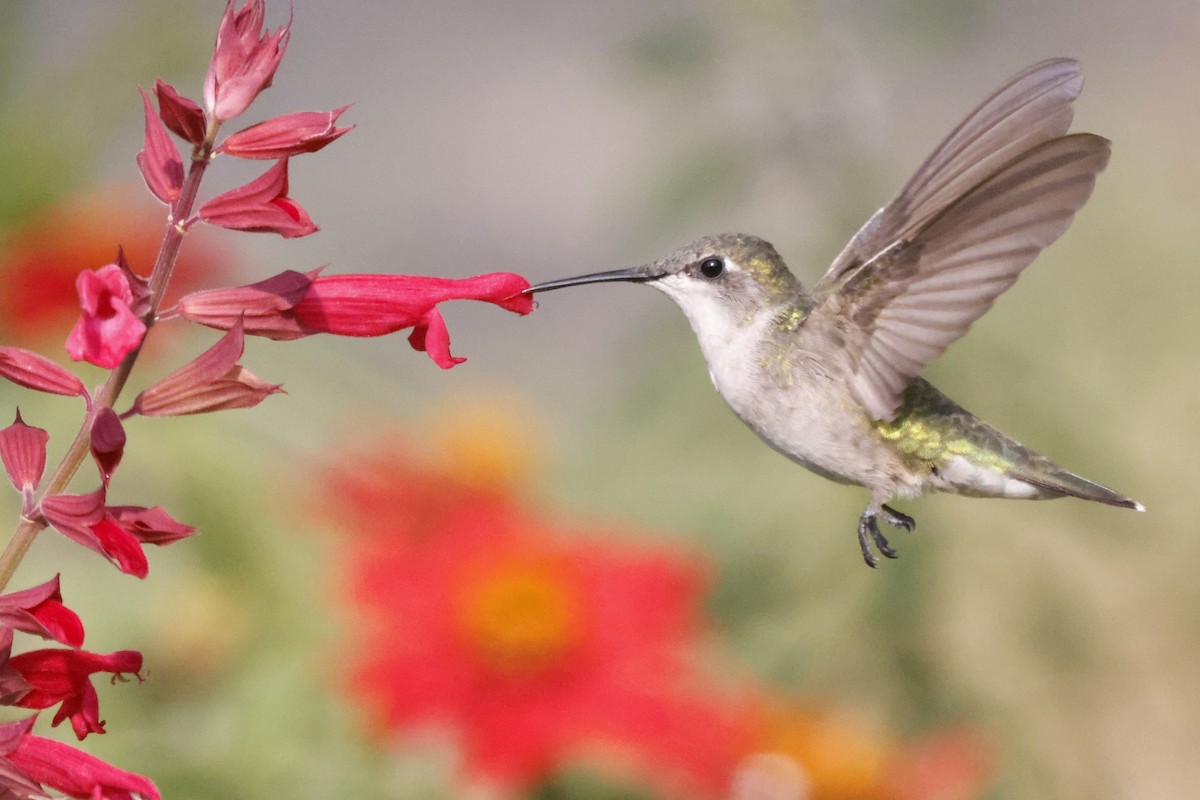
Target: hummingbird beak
pixel 631 275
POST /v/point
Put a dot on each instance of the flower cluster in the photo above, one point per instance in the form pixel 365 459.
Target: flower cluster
pixel 118 309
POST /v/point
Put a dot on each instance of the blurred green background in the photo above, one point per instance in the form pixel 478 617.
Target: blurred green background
pixel 555 138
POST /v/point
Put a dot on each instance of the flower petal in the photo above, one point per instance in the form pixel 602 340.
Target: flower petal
pixel 23 450
pixel 28 369
pixel 39 610
pixel 77 774
pixel 159 159
pixel 108 442
pixel 83 519
pixel 184 117
pixel 213 381
pixel 261 307
pixel 261 206
pixel 150 525
pixel 288 135
pixel 107 329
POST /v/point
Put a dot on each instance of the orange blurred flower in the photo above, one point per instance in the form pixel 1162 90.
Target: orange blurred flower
pixel 844 757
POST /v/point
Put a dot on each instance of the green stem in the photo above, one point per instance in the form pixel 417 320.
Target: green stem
pixel 168 253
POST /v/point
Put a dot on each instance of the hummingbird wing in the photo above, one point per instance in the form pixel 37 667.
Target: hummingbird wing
pixel 1003 186
pixel 1032 108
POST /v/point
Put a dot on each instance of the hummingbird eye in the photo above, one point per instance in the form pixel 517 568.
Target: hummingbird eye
pixel 712 268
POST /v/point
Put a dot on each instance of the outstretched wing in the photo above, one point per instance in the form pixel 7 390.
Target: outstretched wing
pixel 1003 186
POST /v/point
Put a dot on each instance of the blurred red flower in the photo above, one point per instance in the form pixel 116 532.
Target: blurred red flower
pixel 534 646
pixel 41 259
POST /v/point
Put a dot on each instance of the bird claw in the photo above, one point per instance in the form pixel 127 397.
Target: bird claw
pixel 869 534
pixel 897 520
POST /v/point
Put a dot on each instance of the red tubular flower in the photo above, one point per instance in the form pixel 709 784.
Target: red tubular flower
pixel 261 206
pixel 28 369
pixel 184 117
pixel 63 677
pixel 107 330
pixel 159 160
pixel 292 305
pixel 39 610
pixel 23 450
pixel 244 59
pixel 214 381
pixel 289 135
pixel 77 774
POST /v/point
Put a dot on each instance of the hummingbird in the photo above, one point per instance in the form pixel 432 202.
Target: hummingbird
pixel 830 376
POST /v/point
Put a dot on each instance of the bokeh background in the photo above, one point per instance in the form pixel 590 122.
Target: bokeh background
pixel 1038 649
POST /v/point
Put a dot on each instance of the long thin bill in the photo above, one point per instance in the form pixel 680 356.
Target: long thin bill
pixel 634 274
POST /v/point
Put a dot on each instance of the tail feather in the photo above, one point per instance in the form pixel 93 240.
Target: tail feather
pixel 1068 483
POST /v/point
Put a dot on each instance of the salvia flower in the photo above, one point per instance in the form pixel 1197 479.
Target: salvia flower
pixel 63 678
pixel 107 329
pixel 288 135
pixel 213 381
pixel 261 206
pixel 75 773
pixel 39 610
pixel 159 160
pixel 13 782
pixel 28 369
pixel 244 59
pixel 293 304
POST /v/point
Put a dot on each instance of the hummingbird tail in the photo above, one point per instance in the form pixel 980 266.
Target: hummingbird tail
pixel 1061 482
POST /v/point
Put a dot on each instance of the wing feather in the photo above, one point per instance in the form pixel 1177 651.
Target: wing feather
pixel 913 300
pixel 1032 108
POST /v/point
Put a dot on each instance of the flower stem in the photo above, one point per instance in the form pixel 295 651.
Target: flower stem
pixel 168 253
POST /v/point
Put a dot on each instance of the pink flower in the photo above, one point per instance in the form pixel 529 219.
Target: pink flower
pixel 159 160
pixel 107 330
pixel 75 773
pixel 244 59
pixel 261 206
pixel 184 117
pixel 214 381
pixel 292 305
pixel 28 369
pixel 39 610
pixel 289 135
pixel 63 677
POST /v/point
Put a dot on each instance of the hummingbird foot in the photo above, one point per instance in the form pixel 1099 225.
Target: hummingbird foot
pixel 897 520
pixel 868 532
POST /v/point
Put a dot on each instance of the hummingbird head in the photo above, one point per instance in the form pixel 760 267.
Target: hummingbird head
pixel 717 281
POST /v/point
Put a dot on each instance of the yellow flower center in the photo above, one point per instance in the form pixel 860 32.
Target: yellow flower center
pixel 521 617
